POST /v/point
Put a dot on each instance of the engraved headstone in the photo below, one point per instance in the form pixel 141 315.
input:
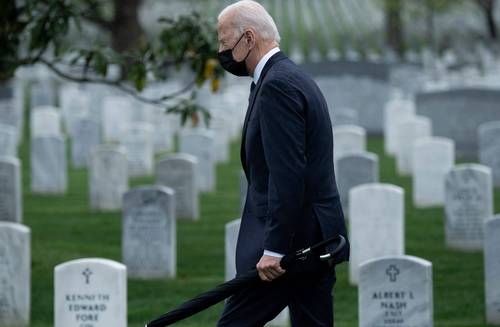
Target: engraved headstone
pixel 86 135
pixel 108 177
pixel 433 158
pixel 137 139
pixel 348 139
pixel 489 148
pixel 178 172
pixel 15 274
pixel 395 291
pixel 396 111
pixel 48 165
pixel 492 269
pixel 45 121
pixel 10 190
pixel 149 242
pixel 200 143
pixel 90 292
pixel 376 215
pixel 407 133
pixel 12 116
pixel 353 170
pixel 468 204
pixel 8 140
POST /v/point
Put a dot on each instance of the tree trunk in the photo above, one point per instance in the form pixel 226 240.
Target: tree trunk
pixel 431 41
pixel 394 26
pixel 126 31
pixel 488 7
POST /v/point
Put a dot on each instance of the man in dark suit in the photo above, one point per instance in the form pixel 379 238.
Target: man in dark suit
pixel 287 156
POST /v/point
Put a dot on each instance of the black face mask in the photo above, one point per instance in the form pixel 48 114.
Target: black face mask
pixel 226 59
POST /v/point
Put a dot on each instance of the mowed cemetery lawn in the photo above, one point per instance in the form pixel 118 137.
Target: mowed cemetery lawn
pixel 64 228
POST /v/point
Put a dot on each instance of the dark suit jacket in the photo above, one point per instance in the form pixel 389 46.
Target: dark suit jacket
pixel 287 155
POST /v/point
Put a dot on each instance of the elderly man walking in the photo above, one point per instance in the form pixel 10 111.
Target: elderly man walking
pixel 287 156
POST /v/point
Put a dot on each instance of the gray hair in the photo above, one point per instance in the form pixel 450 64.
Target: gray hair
pixel 248 13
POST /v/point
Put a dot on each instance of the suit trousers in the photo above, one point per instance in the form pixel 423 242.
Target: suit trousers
pixel 308 296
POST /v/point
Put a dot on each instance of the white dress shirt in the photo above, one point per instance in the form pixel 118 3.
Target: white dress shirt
pixel 256 75
pixel 263 61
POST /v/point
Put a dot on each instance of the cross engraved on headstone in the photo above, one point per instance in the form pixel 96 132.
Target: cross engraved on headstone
pixel 392 272
pixel 87 272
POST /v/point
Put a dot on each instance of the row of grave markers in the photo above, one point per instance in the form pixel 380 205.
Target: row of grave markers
pixel 392 289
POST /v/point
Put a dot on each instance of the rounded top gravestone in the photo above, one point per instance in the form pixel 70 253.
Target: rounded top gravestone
pixel 395 291
pixel 90 292
pixel 468 204
pixel 376 215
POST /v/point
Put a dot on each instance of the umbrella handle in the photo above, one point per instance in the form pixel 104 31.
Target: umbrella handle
pixel 329 256
pixel 290 259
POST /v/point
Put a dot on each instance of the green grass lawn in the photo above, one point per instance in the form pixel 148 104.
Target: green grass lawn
pixel 64 228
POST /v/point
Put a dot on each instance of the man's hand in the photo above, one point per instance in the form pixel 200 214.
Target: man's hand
pixel 269 268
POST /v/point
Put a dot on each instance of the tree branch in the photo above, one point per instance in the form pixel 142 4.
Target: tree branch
pixel 92 14
pixel 118 84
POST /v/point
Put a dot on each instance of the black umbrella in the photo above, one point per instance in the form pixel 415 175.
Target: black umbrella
pixel 234 286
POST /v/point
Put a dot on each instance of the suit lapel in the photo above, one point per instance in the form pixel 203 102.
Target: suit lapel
pixel 253 96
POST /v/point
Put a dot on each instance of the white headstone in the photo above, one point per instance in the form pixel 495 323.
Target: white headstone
pixel 163 132
pixel 489 148
pixel 492 269
pixel 396 111
pixel 178 172
pixel 86 136
pixel 43 93
pixel 75 105
pixel 90 292
pixel 12 116
pixel 15 274
pixel 407 133
pixel 108 177
pixel 200 143
pixel 348 139
pixel 116 114
pixel 8 140
pixel 468 204
pixel 395 291
pixel 45 121
pixel 149 239
pixel 344 116
pixel 48 165
pixel 137 139
pixel 355 169
pixel 219 126
pixel 10 190
pixel 433 158
pixel 376 215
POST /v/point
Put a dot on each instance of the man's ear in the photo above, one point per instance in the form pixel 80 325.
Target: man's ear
pixel 250 38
